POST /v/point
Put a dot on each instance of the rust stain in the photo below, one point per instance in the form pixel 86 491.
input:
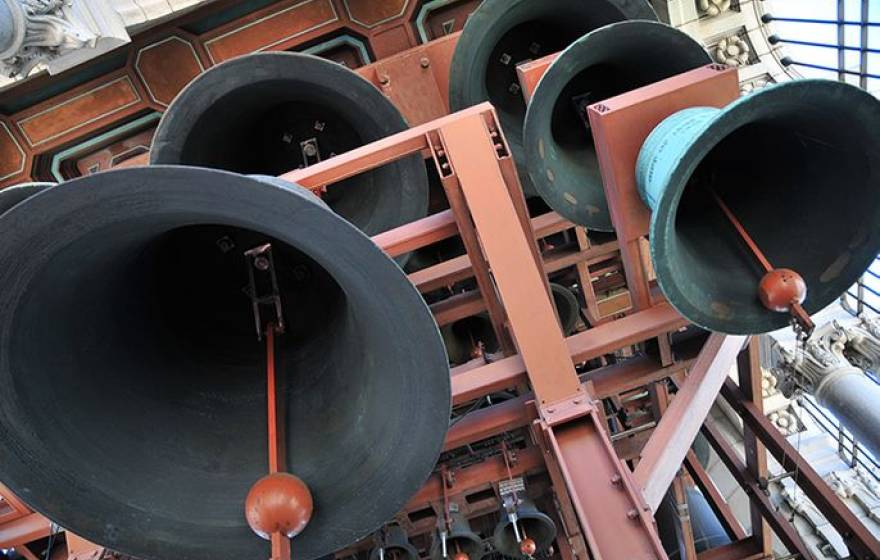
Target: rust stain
pixel 721 310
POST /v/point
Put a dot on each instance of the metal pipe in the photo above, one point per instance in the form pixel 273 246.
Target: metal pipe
pixel 852 397
pixel 787 61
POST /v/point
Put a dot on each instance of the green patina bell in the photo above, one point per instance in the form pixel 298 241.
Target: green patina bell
pixel 558 146
pixel 798 166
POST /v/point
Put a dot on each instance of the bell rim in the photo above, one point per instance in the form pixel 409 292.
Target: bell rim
pixel 577 57
pixel 222 79
pixel 467 72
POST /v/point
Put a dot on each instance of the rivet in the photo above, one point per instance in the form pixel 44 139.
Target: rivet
pixel 425 62
pixel 632 514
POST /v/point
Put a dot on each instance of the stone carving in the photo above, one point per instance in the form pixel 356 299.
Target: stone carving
pixel 768 383
pixel 862 346
pixel 57 33
pixel 732 51
pixel 821 358
pixel 712 8
pixel 786 421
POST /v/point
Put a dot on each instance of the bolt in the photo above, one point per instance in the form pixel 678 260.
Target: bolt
pixel 384 79
pixel 632 514
pixel 551 410
pixel 577 401
pixel 261 263
pixel 616 479
pixel 425 62
pixel 310 149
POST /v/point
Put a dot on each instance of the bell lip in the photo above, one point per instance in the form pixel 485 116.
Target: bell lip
pixel 66 198
pixel 467 86
pixel 434 552
pixel 571 299
pixel 185 111
pixel 577 57
pixel 501 527
pixel 726 121
pixel 16 194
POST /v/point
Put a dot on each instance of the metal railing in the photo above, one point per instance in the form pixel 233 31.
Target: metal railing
pixel 848 448
pixel 840 23
pixel 856 299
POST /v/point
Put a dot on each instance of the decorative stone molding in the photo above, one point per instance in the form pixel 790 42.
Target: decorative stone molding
pixel 732 51
pixel 786 421
pixel 862 346
pixel 768 383
pixel 817 363
pixel 56 33
pixel 713 8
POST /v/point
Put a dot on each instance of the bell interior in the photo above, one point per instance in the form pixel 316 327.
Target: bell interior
pixel 819 173
pixel 156 369
pixel 541 30
pixel 267 127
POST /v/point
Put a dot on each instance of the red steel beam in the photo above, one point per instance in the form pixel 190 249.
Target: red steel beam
pixel 24 530
pixel 532 319
pixel 529 460
pixel 861 543
pixel 746 548
pixel 781 526
pixel 418 234
pixel 719 506
pixel 665 451
pixel 491 421
pixel 469 383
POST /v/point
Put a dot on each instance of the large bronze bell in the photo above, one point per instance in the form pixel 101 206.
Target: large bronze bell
pixel 133 385
pixel 531 523
pixel 558 145
pixel 797 165
pixel 503 33
pixel 269 113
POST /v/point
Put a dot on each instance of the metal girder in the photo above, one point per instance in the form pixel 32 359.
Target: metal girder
pixel 781 526
pixel 470 382
pixel 861 543
pixel 666 450
pixel 24 530
pixel 719 506
pixel 746 548
pixel 611 512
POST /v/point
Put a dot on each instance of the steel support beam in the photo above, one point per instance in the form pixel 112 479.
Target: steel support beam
pixel 752 487
pixel 861 543
pixel 749 370
pixel 609 507
pixel 24 530
pixel 719 506
pixel 666 450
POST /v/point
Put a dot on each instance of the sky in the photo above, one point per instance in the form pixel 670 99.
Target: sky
pixel 823 33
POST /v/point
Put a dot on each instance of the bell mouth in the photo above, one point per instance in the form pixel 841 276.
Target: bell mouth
pixel 155 366
pixel 809 205
pixel 501 34
pixel 559 150
pixel 270 113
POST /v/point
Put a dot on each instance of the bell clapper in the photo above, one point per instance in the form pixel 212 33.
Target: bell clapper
pixel 278 506
pixel 781 289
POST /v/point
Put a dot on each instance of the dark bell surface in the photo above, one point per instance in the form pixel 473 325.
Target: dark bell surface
pixel 157 372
